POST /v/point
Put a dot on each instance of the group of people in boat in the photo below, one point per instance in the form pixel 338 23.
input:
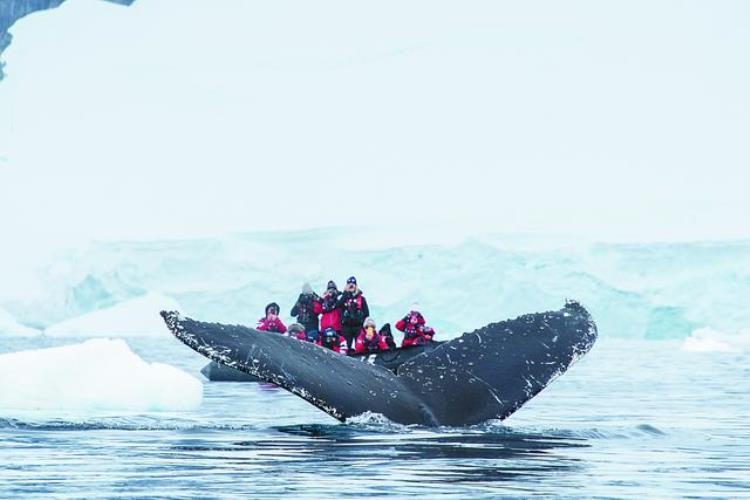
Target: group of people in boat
pixel 341 321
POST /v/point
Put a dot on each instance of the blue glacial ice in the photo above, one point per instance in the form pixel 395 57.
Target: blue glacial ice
pixel 656 291
pixel 13 10
pixel 10 326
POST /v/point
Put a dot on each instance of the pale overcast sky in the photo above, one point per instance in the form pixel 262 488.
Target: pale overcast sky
pixel 610 120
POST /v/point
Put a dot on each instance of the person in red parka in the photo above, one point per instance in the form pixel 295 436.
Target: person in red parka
pixel 369 339
pixel 331 339
pixel 416 332
pixel 329 306
pixel 271 322
pixel 297 330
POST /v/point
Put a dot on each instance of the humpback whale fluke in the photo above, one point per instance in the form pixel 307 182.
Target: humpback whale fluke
pixel 485 374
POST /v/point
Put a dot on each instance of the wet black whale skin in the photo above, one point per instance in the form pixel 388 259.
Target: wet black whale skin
pixel 485 374
pixel 392 359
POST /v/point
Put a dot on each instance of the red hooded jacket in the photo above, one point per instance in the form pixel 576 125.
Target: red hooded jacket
pixel 331 313
pixel 415 334
pixel 271 325
pixel 376 343
pixel 339 346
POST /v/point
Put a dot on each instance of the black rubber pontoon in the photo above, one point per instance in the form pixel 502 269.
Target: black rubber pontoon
pixel 486 374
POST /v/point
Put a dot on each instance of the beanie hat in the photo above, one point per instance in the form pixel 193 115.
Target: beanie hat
pixel 351 281
pixel 295 328
pixel 369 322
pixel 331 285
pixel 307 289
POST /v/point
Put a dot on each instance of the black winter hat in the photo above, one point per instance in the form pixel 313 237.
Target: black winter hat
pixel 332 284
pixel 273 305
pixel 351 281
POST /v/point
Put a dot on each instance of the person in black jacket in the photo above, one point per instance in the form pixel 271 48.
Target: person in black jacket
pixel 385 332
pixel 306 310
pixel 354 310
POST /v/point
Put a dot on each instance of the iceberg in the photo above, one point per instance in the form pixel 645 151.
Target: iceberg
pixel 709 340
pixel 137 317
pixel 11 328
pixel 13 10
pixel 99 374
pixel 647 291
pixel 635 291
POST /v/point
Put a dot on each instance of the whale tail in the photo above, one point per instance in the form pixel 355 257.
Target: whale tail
pixel 485 374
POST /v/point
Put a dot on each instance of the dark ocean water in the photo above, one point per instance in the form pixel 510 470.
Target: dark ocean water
pixel 634 418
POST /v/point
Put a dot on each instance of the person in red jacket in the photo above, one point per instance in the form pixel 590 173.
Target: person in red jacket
pixel 416 332
pixel 297 330
pixel 331 339
pixel 271 322
pixel 329 306
pixel 369 339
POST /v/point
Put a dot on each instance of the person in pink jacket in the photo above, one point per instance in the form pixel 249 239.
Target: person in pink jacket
pixel 416 332
pixel 369 339
pixel 271 322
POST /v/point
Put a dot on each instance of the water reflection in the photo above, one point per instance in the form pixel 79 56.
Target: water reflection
pixel 403 457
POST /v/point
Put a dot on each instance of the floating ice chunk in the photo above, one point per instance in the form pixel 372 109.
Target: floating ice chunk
pixel 697 344
pixel 131 318
pixel 708 340
pixel 12 328
pixel 99 374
